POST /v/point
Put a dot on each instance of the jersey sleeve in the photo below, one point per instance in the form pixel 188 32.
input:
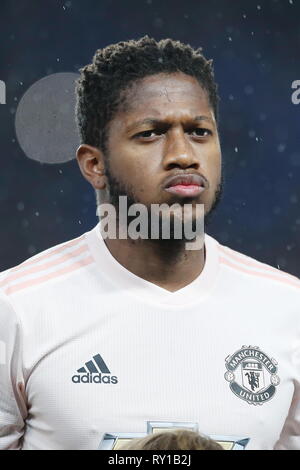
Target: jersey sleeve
pixel 290 434
pixel 13 408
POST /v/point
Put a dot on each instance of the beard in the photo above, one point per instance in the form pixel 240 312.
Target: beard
pixel 117 189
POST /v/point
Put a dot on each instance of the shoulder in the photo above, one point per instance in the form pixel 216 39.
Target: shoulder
pixel 240 263
pixel 55 262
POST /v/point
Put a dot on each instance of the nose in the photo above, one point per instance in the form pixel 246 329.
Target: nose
pixel 178 151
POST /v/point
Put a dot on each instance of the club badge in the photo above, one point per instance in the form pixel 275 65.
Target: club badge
pixel 252 375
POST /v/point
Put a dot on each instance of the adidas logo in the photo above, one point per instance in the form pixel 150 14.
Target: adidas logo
pixel 95 371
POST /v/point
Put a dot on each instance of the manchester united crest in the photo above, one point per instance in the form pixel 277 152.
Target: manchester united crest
pixel 252 375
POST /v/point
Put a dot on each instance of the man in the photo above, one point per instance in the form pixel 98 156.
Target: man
pixel 109 335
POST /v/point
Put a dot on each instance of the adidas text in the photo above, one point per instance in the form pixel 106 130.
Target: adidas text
pixel 94 378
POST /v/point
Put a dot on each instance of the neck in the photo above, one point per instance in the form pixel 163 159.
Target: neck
pixel 165 263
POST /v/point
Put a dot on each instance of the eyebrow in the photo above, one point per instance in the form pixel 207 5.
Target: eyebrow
pixel 155 122
pixel 204 118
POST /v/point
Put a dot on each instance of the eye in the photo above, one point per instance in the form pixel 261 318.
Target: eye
pixel 148 134
pixel 202 132
pixel 145 134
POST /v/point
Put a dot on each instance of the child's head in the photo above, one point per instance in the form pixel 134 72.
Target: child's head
pixel 179 439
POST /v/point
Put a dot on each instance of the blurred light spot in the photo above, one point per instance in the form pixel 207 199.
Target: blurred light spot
pixel 45 122
pixel 281 148
pixel 249 90
pixel 25 223
pixel 31 249
pixel 295 159
pixel 276 210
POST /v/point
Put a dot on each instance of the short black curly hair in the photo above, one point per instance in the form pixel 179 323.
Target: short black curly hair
pixel 114 68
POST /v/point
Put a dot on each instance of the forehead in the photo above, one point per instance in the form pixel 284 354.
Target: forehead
pixel 165 96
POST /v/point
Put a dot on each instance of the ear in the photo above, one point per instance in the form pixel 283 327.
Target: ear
pixel 91 163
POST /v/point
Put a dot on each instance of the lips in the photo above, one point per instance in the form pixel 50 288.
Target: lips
pixel 185 185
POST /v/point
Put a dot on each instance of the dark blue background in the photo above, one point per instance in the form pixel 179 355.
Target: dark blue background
pixel 255 47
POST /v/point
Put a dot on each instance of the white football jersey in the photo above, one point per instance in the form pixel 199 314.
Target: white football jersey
pixel 88 349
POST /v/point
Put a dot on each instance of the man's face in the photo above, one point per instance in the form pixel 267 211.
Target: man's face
pixel 165 128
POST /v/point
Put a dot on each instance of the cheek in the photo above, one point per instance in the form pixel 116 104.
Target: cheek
pixel 138 170
pixel 136 176
pixel 214 164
